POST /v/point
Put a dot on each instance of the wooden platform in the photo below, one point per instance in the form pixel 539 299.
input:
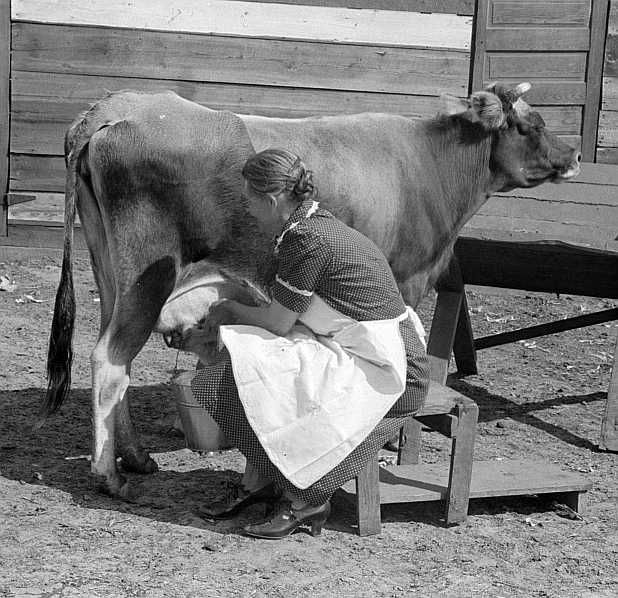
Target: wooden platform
pixel 428 482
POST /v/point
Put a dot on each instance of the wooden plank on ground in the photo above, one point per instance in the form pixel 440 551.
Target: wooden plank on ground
pixel 251 19
pixel 220 59
pixel 428 482
pixel 5 107
pixel 594 77
pixel 455 7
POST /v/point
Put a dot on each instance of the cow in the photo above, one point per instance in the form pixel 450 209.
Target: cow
pixel 156 180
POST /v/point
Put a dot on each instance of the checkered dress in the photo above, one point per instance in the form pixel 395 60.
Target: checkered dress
pixel 319 254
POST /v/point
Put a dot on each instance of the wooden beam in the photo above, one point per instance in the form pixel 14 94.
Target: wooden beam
pixel 550 266
pixel 5 98
pixel 513 336
pixel 594 78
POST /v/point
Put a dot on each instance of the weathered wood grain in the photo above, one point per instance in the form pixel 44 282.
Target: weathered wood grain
pixel 519 12
pixel 5 70
pixel 252 19
pixel 456 7
pixel 538 39
pixel 43 109
pixel 594 77
pixel 608 128
pixel 537 65
pixel 220 59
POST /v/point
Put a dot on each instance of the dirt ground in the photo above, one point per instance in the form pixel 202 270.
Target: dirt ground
pixel 538 399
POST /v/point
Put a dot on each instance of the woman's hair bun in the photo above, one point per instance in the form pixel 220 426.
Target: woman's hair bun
pixel 304 187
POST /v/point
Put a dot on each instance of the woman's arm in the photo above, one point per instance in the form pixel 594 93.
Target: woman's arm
pixel 274 317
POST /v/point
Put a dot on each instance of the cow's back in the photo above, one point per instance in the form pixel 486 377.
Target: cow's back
pixel 363 163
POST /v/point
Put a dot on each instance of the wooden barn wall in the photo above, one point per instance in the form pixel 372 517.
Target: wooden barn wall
pixel 607 150
pixel 276 59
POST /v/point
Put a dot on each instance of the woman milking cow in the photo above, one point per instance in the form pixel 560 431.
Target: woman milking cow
pixel 310 386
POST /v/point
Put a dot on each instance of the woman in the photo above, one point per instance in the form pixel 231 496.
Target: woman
pixel 313 384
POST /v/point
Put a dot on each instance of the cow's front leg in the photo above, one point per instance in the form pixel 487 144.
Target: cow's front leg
pixel 128 447
pixel 109 384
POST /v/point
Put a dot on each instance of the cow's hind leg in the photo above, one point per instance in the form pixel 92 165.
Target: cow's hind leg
pixel 136 309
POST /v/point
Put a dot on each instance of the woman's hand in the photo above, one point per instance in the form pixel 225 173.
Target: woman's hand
pixel 219 314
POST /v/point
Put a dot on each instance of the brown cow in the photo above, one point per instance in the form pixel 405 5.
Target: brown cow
pixel 156 181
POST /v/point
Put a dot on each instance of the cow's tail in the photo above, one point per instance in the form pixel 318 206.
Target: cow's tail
pixel 60 353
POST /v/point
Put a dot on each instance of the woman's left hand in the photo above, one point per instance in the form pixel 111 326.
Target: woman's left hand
pixel 219 314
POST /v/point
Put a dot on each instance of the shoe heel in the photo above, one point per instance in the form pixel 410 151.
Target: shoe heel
pixel 316 526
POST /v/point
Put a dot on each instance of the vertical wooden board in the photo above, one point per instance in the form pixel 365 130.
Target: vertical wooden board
pixel 5 70
pixel 598 31
pixel 479 46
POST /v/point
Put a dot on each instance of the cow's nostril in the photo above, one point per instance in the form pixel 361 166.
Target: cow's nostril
pixel 578 157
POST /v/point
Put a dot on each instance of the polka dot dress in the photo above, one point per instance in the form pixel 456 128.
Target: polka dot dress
pixel 319 254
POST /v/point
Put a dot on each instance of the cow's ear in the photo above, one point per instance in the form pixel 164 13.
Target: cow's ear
pixel 450 105
pixel 486 109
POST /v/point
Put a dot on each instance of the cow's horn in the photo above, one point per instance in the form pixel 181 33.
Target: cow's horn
pixel 521 89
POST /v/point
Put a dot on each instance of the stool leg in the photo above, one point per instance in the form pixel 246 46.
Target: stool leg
pixel 409 450
pixel 462 455
pixel 368 499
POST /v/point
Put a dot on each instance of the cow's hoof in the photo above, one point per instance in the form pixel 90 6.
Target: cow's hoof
pixel 116 486
pixel 143 463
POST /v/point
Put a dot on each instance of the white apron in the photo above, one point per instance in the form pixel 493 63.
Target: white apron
pixel 314 395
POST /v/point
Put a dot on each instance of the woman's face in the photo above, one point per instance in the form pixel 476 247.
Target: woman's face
pixel 264 208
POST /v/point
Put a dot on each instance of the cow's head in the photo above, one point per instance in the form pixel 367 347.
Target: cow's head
pixel 524 153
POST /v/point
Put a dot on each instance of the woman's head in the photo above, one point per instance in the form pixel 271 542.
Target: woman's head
pixel 276 181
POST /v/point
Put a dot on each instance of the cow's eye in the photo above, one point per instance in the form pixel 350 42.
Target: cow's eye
pixel 523 128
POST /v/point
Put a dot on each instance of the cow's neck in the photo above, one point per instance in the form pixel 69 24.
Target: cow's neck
pixel 462 154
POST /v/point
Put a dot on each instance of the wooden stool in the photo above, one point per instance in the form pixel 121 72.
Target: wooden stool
pixel 448 412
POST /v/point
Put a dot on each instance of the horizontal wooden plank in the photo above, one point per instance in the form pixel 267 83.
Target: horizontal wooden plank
pixel 40 236
pixel 607 155
pixel 594 174
pixel 538 39
pixel 500 234
pixel 429 482
pixel 456 7
pixel 265 20
pixel 42 207
pixel 539 12
pixel 217 59
pixel 550 267
pixel 608 129
pixel 548 92
pixel 536 65
pixel 571 232
pixel 564 120
pixel 36 173
pixel 40 121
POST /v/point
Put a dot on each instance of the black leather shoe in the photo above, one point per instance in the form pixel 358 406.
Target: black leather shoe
pixel 239 501
pixel 287 520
